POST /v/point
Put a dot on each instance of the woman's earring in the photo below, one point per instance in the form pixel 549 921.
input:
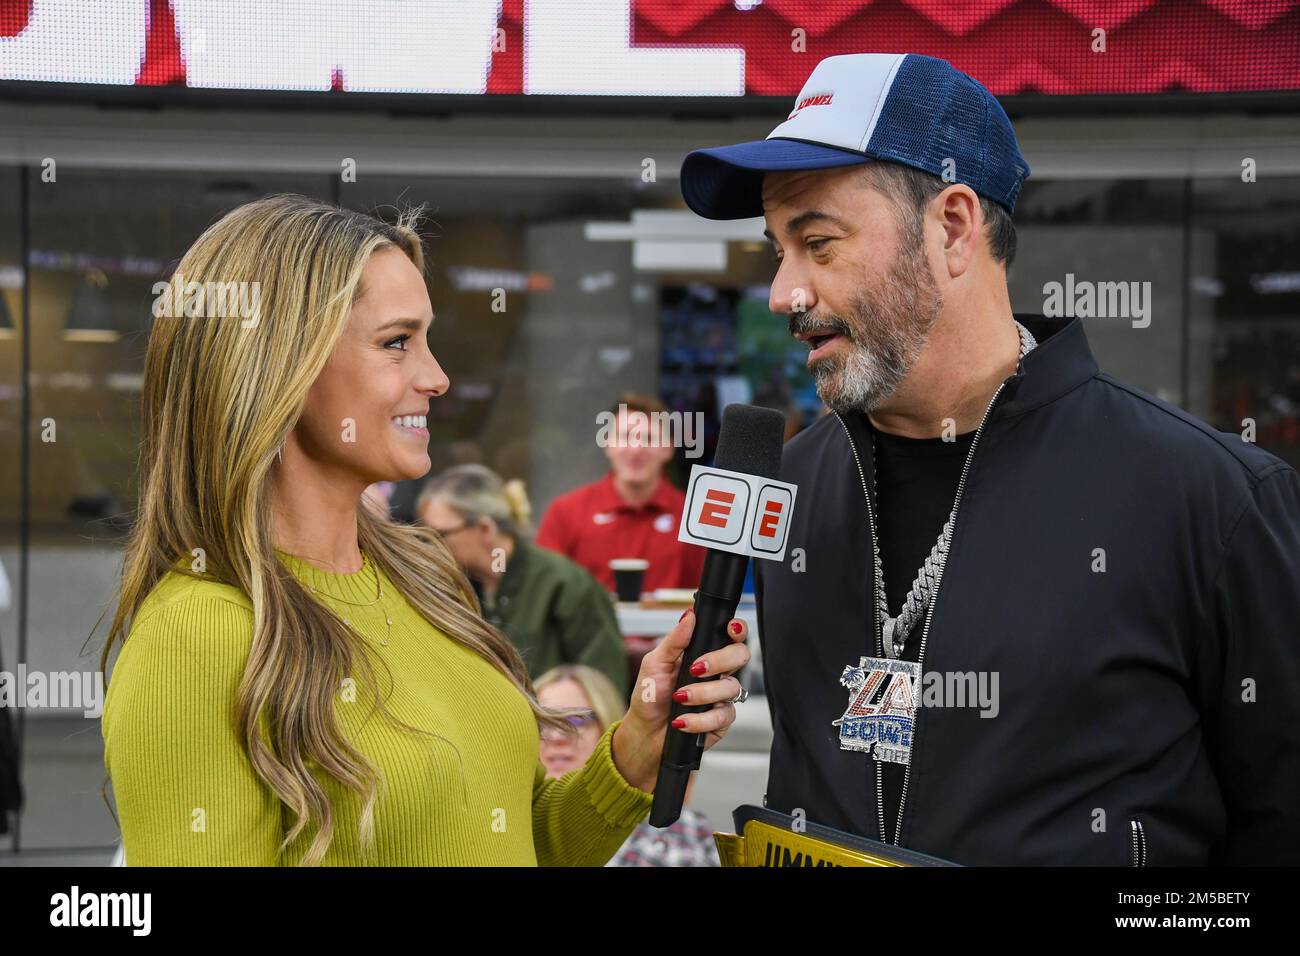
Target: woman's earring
pixel 279 453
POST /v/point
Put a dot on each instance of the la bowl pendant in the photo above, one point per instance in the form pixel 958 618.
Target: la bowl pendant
pixel 882 708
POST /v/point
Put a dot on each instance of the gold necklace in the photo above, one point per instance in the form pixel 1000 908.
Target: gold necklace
pixel 388 618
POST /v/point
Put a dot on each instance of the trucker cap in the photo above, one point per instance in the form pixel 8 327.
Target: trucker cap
pixel 902 107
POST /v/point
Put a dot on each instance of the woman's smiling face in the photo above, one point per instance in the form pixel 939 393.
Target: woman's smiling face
pixel 366 411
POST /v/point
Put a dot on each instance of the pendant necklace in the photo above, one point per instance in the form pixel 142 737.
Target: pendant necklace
pixel 388 618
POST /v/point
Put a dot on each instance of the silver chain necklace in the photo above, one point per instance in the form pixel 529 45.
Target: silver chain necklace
pixel 895 630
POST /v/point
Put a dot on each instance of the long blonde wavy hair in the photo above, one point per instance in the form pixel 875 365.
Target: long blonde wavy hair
pixel 221 395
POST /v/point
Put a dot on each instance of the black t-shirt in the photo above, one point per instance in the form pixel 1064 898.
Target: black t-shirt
pixel 916 484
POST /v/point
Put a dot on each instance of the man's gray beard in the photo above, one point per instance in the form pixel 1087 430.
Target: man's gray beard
pixel 886 332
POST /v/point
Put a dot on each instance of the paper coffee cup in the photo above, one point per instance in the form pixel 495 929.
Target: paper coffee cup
pixel 629 576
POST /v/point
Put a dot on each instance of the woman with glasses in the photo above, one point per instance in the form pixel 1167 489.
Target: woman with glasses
pixel 689 841
pixel 300 680
pixel 553 610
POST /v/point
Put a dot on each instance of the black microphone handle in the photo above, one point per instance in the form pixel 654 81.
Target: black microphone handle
pixel 721 582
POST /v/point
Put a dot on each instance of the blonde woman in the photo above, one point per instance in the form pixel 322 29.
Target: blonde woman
pixel 553 610
pixel 301 681
pixel 688 841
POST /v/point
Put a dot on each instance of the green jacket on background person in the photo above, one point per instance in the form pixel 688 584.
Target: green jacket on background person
pixel 555 612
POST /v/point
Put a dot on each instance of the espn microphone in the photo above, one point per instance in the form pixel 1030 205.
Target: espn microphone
pixel 736 509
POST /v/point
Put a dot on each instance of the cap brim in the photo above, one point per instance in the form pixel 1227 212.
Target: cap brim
pixel 726 182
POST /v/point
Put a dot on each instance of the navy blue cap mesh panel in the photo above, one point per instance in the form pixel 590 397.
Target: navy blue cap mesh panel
pixel 934 113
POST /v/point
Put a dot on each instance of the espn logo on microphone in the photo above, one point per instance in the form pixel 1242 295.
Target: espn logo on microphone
pixel 743 514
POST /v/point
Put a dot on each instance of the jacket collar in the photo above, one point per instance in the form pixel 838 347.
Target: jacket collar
pixel 1061 362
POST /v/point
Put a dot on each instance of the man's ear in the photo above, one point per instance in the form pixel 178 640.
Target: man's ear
pixel 959 211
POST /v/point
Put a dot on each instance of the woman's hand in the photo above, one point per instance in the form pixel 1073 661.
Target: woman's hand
pixel 639 740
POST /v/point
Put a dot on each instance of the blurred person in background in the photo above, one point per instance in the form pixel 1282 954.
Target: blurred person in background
pixel 552 610
pixel 378 497
pixel 689 841
pixel 632 512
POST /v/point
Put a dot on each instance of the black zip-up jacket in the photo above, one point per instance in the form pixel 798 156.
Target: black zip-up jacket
pixel 1148 713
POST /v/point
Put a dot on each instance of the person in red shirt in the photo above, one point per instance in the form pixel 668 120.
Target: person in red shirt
pixel 630 513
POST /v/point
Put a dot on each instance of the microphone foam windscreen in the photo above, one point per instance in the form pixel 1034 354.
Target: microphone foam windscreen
pixel 750 441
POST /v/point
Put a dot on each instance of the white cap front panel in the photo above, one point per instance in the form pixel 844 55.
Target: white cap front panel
pixel 842 100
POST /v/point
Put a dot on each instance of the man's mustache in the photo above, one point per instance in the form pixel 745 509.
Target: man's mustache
pixel 810 323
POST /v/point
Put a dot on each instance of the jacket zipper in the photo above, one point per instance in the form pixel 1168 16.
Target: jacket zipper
pixel 934 599
pixel 875 629
pixel 1139 837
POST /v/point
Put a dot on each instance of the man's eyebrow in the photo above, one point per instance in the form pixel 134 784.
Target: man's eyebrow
pixel 804 218
pixel 410 325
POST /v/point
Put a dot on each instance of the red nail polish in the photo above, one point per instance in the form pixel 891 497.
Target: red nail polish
pixel 734 627
pixel 680 696
pixel 698 668
pixel 679 723
pixel 683 617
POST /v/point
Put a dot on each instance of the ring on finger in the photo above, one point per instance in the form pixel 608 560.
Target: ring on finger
pixel 741 697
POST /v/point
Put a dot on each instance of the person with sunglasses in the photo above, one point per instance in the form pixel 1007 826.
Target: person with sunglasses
pixel 550 608
pixel 688 841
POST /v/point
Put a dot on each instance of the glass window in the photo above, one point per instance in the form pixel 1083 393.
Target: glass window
pixel 1076 235
pixel 1246 342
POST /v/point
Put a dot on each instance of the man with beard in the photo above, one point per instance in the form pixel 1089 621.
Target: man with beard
pixel 1031 614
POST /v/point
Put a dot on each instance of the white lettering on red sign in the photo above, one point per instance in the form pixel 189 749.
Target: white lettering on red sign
pixel 384 46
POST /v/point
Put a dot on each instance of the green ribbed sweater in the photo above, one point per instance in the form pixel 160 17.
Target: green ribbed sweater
pixel 187 793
